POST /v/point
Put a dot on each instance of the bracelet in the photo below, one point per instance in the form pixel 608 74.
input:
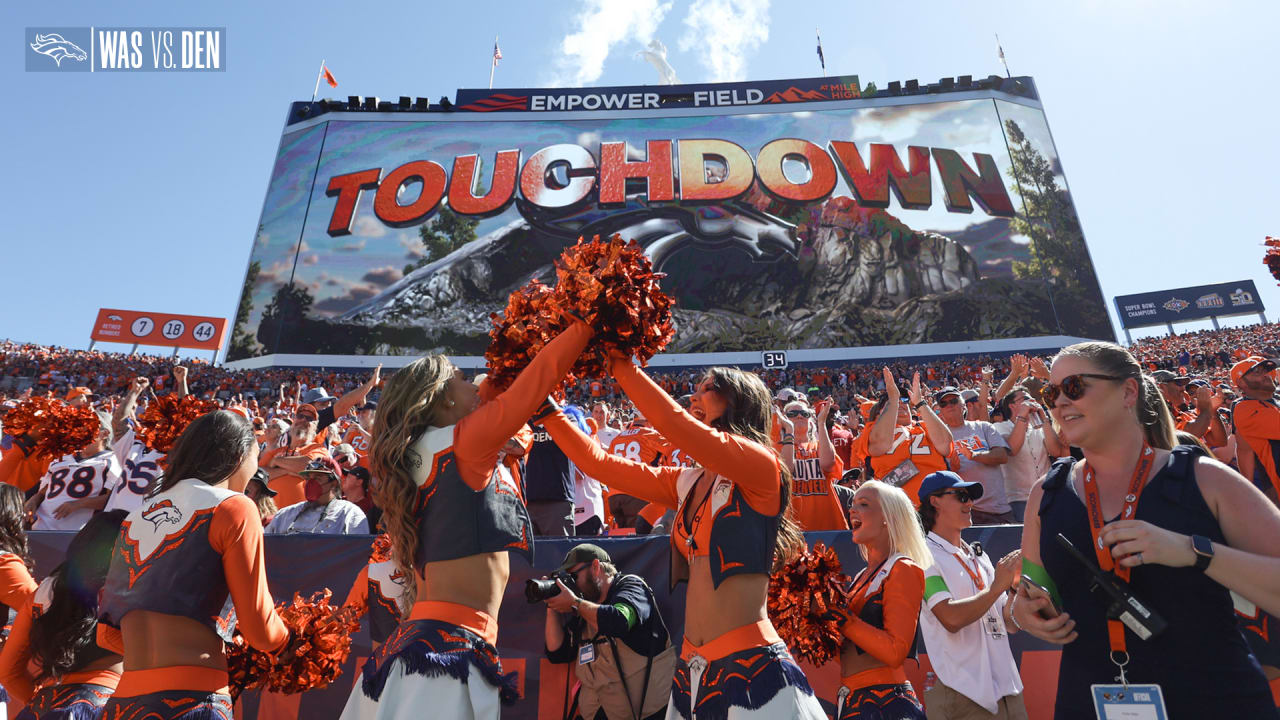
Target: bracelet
pixel 786 442
pixel 919 404
pixel 1020 419
pixel 787 437
pixel 1012 618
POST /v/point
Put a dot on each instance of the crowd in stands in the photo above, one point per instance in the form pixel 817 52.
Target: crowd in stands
pixel 959 440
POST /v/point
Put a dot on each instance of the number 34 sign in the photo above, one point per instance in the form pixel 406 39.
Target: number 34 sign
pixel 167 329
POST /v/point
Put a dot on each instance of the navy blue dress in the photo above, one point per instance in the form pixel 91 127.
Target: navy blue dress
pixel 1202 662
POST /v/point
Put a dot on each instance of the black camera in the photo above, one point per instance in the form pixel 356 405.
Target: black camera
pixel 535 590
pixel 1123 605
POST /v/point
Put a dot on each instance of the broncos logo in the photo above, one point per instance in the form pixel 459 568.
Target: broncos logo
pixel 162 512
pixel 58 48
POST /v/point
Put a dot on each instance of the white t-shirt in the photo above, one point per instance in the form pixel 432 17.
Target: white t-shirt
pixel 975 661
pixel 1028 465
pixel 606 435
pixel 141 470
pixel 588 499
pixel 72 478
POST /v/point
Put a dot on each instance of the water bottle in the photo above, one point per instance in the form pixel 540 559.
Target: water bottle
pixel 929 681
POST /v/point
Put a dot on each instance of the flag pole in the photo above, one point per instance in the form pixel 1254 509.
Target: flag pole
pixel 493 63
pixel 1002 60
pixel 318 76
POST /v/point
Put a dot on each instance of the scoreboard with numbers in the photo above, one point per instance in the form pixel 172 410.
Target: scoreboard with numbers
pixel 773 359
pixel 164 329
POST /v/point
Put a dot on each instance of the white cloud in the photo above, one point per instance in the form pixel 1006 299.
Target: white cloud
pixel 723 33
pixel 367 226
pixel 351 246
pixel 600 25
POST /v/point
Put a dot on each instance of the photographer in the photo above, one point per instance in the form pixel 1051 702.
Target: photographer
pixel 611 625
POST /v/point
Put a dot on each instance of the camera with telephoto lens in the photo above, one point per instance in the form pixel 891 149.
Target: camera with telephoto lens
pixel 1124 606
pixel 535 590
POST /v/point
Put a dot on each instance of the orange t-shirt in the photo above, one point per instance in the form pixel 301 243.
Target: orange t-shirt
pixel 816 505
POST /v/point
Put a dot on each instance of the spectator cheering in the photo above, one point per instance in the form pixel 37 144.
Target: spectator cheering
pixel 902 450
pixel 977 455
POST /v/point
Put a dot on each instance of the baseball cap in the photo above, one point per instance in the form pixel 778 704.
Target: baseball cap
pixel 1239 369
pixel 967 395
pixel 76 392
pixel 944 480
pixel 261 476
pixel 788 394
pixel 1199 383
pixel 1167 376
pixel 308 410
pixel 315 395
pixel 324 464
pixel 371 405
pixel 585 552
pixel 948 390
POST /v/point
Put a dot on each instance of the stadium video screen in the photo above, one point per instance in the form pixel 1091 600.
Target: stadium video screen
pixel 831 225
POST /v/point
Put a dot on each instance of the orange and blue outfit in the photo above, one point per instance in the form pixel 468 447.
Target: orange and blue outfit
pixel 910 458
pixel 884 612
pixel 467 504
pixel 78 695
pixel 734 526
pixel 379 587
pixel 183 553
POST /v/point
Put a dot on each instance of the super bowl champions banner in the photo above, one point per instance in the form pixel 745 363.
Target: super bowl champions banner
pixel 779 224
pixel 308 563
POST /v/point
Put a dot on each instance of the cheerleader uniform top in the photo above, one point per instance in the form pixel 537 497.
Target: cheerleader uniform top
pixel 1202 662
pixel 182 553
pixel 734 525
pixel 16 588
pixel 379 587
pixel 14 660
pixel 467 501
pixel 884 612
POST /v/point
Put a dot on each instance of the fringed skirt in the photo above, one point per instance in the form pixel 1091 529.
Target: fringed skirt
pixel 80 701
pixel 426 666
pixel 881 702
pixel 171 705
pixel 759 683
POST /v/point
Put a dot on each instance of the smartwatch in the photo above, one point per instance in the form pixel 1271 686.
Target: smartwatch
pixel 1203 548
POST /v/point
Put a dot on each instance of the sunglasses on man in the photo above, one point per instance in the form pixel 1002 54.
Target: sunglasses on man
pixel 948 401
pixel 963 496
pixel 1073 386
pixel 799 413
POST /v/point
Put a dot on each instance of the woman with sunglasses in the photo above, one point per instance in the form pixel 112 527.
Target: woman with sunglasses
pixel 902 450
pixel 965 621
pixel 732 527
pixel 1133 480
pixel 880 621
pixel 815 469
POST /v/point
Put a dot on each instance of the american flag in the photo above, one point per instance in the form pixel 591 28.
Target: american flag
pixel 497 52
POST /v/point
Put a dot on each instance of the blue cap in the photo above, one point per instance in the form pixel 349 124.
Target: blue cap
pixel 945 480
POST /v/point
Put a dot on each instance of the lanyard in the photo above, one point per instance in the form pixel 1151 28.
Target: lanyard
pixel 1093 502
pixel 976 577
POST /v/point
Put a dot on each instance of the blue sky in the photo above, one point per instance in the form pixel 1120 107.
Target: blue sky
pixel 143 191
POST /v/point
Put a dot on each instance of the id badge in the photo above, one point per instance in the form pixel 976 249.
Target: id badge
pixel 993 626
pixel 586 654
pixel 1129 702
pixel 901 474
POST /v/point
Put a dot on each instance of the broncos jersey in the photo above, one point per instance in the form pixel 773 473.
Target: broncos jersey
pixel 674 456
pixel 72 478
pixel 141 470
pixel 642 445
pixel 909 459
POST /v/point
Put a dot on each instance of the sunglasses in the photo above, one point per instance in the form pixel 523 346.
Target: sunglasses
pixel 1073 386
pixel 949 402
pixel 961 495
pixel 798 413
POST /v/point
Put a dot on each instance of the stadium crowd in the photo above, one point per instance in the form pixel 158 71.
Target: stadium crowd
pixel 904 456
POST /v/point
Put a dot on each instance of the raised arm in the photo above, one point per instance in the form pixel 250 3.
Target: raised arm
pixel 751 465
pixel 482 434
pixel 120 416
pixel 655 484
pixel 349 400
pixel 236 533
pixel 903 592
pixel 826 451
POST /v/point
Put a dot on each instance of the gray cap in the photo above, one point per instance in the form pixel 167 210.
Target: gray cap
pixel 315 395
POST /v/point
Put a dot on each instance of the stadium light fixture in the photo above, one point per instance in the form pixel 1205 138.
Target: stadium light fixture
pixel 422 104
pixel 371 102
pixel 353 102
pixel 947 83
pixel 405 101
pixel 895 88
pixel 446 104
pixel 913 86
pixel 965 81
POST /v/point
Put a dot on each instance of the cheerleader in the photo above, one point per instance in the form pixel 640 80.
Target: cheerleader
pixel 732 525
pixel 54 633
pixel 194 541
pixel 453 513
pixel 880 621
pixel 16 584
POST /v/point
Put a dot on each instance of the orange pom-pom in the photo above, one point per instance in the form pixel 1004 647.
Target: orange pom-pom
pixel 166 417
pixel 381 551
pixel 801 592
pixel 319 642
pixel 57 428
pixel 610 285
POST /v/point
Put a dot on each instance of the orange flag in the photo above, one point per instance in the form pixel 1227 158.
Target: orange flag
pixel 328 77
